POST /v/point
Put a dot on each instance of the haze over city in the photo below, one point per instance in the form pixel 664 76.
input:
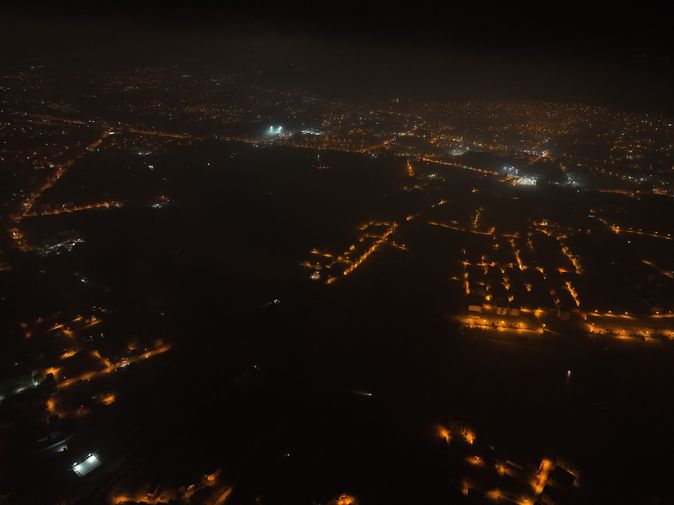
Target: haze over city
pixel 336 254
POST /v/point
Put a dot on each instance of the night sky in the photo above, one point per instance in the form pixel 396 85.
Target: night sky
pixel 617 55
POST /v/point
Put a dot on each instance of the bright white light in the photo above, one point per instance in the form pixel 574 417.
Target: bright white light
pixel 525 181
pixel 84 467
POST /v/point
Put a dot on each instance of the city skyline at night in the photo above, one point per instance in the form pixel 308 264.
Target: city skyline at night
pixel 337 255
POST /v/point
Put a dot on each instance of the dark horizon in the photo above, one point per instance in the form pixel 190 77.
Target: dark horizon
pixel 620 58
